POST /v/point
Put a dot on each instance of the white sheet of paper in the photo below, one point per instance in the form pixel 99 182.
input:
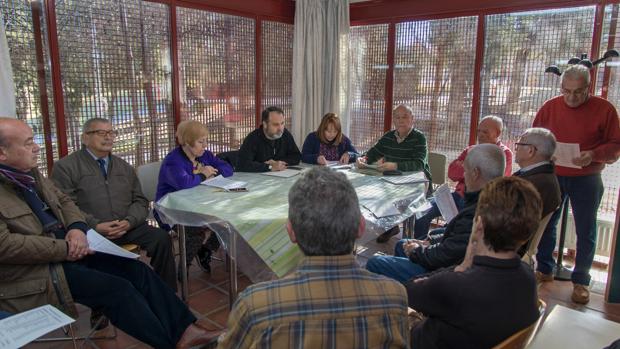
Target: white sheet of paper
pixel 21 329
pixel 565 153
pixel 333 163
pixel 285 173
pixel 381 208
pixel 98 243
pixel 224 183
pixel 445 202
pixel 416 177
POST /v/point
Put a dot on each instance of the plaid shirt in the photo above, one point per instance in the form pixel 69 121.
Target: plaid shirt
pixel 329 302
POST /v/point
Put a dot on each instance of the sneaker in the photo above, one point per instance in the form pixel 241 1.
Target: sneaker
pixel 581 294
pixel 388 234
pixel 203 257
pixel 98 321
pixel 542 277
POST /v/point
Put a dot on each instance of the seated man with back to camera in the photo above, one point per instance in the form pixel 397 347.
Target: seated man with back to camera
pixel 492 293
pixel 403 149
pixel 483 163
pixel 107 190
pixel 329 302
pixel 45 257
pixel 270 147
pixel 489 131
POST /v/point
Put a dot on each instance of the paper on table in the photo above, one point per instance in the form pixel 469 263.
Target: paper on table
pixel 285 173
pixel 417 177
pixel 381 208
pixel 445 202
pixel 98 243
pixel 565 153
pixel 224 183
pixel 21 329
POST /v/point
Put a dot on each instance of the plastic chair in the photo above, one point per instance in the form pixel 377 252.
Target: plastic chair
pixel 523 338
pixel 532 246
pixel 148 175
pixel 437 163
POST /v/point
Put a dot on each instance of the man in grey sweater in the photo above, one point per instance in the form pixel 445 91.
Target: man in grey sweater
pixel 108 192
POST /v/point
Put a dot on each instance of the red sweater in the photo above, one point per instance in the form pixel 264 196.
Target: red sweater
pixel 594 125
pixel 456 172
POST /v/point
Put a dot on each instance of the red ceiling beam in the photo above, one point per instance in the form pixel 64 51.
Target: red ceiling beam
pixel 389 10
pixel 278 10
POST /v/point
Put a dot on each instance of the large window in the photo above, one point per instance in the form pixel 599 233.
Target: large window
pixel 433 73
pixel 277 67
pixel 368 74
pixel 115 64
pixel 217 64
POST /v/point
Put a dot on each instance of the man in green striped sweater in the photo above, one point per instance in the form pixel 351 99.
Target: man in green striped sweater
pixel 402 149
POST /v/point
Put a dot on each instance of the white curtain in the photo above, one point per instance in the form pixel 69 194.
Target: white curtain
pixel 7 89
pixel 320 64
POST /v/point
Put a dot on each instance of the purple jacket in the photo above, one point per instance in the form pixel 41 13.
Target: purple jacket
pixel 176 171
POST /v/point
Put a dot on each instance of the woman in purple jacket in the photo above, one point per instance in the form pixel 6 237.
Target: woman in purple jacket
pixel 185 167
pixel 328 144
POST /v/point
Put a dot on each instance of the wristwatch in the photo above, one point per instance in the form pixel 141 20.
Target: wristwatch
pixel 270 167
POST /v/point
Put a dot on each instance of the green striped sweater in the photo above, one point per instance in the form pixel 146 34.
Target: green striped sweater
pixel 410 155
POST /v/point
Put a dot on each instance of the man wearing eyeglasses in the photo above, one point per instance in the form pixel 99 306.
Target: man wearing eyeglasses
pixel 107 190
pixel 591 122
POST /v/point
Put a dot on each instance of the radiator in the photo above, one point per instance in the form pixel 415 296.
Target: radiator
pixel 604 235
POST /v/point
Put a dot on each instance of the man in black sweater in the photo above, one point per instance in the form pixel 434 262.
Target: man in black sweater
pixel 491 294
pixel 270 147
pixel 483 163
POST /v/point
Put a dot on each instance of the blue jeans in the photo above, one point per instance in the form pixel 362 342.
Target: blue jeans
pixel 584 193
pixel 422 224
pixel 4 315
pixel 397 267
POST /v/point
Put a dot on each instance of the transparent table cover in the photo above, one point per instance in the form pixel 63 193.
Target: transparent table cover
pixel 258 216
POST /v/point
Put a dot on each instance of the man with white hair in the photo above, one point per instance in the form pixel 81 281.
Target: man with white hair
pixel 489 132
pixel 591 122
pixel 483 163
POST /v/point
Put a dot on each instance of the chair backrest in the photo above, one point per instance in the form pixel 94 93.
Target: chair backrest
pixel 437 163
pixel 232 157
pixel 532 245
pixel 523 338
pixel 148 175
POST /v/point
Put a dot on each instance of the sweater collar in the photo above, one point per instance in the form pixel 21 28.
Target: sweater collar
pixel 497 263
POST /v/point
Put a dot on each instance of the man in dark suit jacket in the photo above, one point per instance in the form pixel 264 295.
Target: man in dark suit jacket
pixel 533 153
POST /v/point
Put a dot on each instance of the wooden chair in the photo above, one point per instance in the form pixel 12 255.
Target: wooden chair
pixel 523 338
pixel 532 246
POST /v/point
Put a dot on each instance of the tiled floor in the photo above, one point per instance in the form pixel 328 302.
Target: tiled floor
pixel 208 300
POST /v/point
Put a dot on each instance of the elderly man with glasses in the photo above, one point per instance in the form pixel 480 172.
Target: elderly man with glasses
pixel 108 192
pixel 592 123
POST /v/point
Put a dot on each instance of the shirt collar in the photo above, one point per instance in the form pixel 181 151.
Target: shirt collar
pixel 533 166
pixel 399 139
pixel 328 263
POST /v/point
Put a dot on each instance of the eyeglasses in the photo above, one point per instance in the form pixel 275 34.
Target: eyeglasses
pixel 525 144
pixel 103 133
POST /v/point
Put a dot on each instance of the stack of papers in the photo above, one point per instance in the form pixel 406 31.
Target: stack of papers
pixel 445 202
pixel 98 243
pixel 21 329
pixel 285 173
pixel 417 177
pixel 225 183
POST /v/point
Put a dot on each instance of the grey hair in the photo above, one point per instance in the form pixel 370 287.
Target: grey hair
pixel 577 72
pixel 542 139
pixel 407 108
pixel 498 121
pixel 488 158
pixel 324 213
pixel 89 122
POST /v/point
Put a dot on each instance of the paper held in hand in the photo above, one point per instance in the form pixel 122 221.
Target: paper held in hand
pixel 225 183
pixel 445 202
pixel 98 243
pixel 21 329
pixel 565 153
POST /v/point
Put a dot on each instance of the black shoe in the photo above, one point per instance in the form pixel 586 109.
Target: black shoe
pixel 98 321
pixel 203 257
pixel 388 234
pixel 212 243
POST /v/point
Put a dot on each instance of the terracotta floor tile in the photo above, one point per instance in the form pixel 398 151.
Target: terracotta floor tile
pixel 204 301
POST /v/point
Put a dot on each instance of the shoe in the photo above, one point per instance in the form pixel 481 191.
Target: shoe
pixel 196 335
pixel 388 234
pixel 212 242
pixel 203 257
pixel 581 294
pixel 542 277
pixel 98 321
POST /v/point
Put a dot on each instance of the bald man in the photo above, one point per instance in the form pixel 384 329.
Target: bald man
pixel 489 132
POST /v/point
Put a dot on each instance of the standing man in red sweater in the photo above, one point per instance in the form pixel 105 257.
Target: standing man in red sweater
pixel 591 122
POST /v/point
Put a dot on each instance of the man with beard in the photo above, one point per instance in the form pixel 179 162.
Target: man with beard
pixel 270 147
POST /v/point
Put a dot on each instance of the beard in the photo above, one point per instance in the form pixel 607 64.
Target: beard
pixel 274 136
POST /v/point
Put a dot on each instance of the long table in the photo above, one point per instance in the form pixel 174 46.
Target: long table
pixel 251 225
